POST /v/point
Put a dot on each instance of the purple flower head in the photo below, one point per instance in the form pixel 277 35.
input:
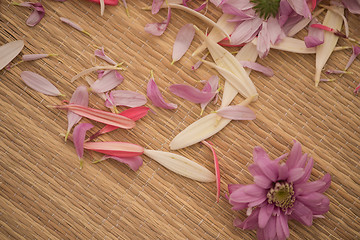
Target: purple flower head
pixel 280 192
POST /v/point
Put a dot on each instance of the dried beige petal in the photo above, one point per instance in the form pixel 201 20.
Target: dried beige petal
pixel 9 51
pixel 291 45
pixel 181 165
pixel 202 129
pixel 323 51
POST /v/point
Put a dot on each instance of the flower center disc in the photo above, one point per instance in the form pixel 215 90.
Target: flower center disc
pixel 282 195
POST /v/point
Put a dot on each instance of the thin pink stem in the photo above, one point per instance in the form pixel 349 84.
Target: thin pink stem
pixel 217 168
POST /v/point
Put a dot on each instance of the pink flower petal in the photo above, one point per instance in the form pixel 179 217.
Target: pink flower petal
pixel 302 214
pixel 217 169
pixel 37 14
pixel 39 83
pixel 258 67
pixel 79 137
pixel 108 81
pixel 99 116
pixel 182 42
pixel 315 36
pixel 74 25
pixel 265 214
pixel 335 71
pixel 134 114
pixel 157 29
pixel 246 31
pixel 300 7
pixel 79 97
pixel 210 86
pixel 117 149
pixel 101 54
pixel 295 174
pixel 154 95
pixel 352 5
pixel 127 98
pixel 282 227
pixel 33 57
pixel 156 5
pixel 355 53
pixel 263 45
pixel 133 162
pixel 192 94
pixel 237 112
pixel 198 63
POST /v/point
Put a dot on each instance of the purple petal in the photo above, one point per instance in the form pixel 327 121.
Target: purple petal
pixel 101 54
pixel 182 42
pixel 133 162
pixel 318 203
pixel 263 182
pixel 157 29
pixel 294 156
pixel 156 5
pixel 263 45
pixel 79 137
pixel 258 67
pixel 334 71
pixel 295 174
pixel 274 30
pixel 356 52
pixel 282 227
pixel 285 11
pixel 327 180
pixel 72 24
pixel 265 214
pixel 155 96
pixel 247 194
pixel 315 36
pixel 210 86
pixel 260 156
pixel 127 98
pixel 232 10
pixel 192 94
pixel 352 5
pixel 300 7
pixel 302 214
pixel 79 97
pixel 40 84
pixel 35 17
pixel 198 63
pixel 307 171
pixel 236 112
pixel 309 187
pixel 234 187
pixel 269 231
pixel 283 172
pixel 32 57
pixel 239 206
pixel 246 31
pixel 108 81
pixel 250 222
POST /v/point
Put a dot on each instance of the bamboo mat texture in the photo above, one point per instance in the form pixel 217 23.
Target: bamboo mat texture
pixel 44 194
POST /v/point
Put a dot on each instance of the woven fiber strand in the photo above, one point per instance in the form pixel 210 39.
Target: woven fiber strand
pixel 44 194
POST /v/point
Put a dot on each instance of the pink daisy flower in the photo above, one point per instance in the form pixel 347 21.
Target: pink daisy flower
pixel 280 192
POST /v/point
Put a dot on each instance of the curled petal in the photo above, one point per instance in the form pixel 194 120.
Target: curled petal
pixel 9 51
pixel 355 53
pixel 315 36
pixel 117 149
pixel 127 98
pixel 155 96
pixel 79 137
pixel 39 83
pixel 108 81
pixel 99 116
pixel 217 169
pixel 210 86
pixel 192 94
pixel 133 162
pixel 157 29
pixel 35 17
pixel 181 165
pixel 79 97
pixel 101 54
pixel 182 42
pixel 237 112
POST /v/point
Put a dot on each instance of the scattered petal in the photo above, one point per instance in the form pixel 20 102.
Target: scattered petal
pixel 335 71
pixel 217 169
pixel 109 80
pixel 237 112
pixel 37 14
pixel 181 165
pixel 355 53
pixel 155 96
pixel 89 70
pixel 116 149
pixel 290 45
pixel 33 57
pixel 74 25
pixel 157 29
pixel 352 6
pixel 315 36
pixel 101 54
pixel 156 5
pixel 182 42
pixel 126 98
pixel 9 51
pixel 192 94
pixel 79 138
pixel 99 115
pixel 39 83
pixel 79 97
pixel 357 89
pixel 133 162
pixel 198 64
pixel 210 86
pixel 258 67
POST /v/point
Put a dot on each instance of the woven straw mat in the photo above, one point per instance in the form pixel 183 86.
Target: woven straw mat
pixel 44 194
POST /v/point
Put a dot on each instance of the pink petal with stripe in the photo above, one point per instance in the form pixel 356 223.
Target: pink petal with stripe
pixel 182 42
pixel 133 162
pixel 157 29
pixel 79 137
pixel 109 80
pixel 155 96
pixel 126 98
pixel 39 83
pixel 79 97
pixel 192 94
pixel 237 112
pixel 117 149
